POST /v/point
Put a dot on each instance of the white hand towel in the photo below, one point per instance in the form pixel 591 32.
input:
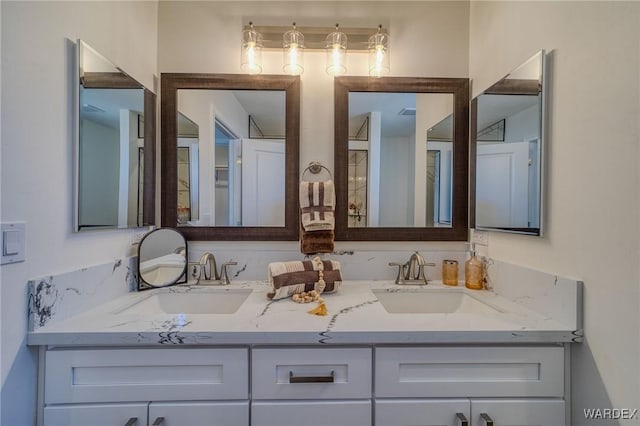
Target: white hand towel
pixel 317 204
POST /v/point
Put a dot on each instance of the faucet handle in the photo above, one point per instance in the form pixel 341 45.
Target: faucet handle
pixel 421 274
pixel 400 276
pixel 224 276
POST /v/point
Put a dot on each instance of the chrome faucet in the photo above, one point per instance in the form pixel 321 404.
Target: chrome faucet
pixel 412 272
pixel 209 271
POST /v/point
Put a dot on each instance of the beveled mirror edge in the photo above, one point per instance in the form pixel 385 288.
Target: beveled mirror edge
pixel 170 84
pixel 473 128
pixel 149 191
pixel 459 87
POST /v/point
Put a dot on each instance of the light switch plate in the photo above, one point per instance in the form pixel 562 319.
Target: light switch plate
pixel 13 242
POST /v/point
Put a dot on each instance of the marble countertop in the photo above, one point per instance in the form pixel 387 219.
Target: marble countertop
pixel 356 316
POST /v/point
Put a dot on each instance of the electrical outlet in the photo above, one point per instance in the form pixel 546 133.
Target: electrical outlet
pixel 480 237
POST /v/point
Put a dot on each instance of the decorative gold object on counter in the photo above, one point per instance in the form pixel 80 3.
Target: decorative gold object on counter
pixel 450 272
pixel 320 310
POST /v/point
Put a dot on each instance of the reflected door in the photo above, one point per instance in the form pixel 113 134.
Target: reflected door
pixel 502 181
pixel 263 199
pixel 358 191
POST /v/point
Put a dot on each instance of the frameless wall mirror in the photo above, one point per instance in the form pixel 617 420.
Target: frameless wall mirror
pixel 230 156
pixel 507 133
pixel 401 158
pixel 115 146
pixel 162 259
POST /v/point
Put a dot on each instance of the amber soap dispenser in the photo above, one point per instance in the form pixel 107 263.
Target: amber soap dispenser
pixel 474 271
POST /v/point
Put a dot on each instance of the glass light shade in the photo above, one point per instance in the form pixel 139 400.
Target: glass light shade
pixel 293 45
pixel 251 54
pixel 336 48
pixel 379 54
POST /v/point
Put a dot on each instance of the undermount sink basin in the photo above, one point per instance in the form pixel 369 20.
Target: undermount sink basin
pixel 422 301
pixel 210 301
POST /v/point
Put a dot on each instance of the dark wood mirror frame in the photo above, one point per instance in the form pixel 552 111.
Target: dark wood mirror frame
pixel 459 87
pixel 149 189
pixel 170 84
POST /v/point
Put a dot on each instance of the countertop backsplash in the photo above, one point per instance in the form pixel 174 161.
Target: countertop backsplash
pixel 357 261
pixel 57 297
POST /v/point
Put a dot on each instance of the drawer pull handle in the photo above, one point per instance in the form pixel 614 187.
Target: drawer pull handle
pixel 488 421
pixel 132 421
pixel 311 379
pixel 463 419
pixel 158 422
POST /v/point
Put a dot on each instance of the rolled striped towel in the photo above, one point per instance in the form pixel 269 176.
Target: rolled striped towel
pixel 317 205
pixel 289 278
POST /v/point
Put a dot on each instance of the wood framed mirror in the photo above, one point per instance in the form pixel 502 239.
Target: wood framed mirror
pixel 230 156
pixel 401 158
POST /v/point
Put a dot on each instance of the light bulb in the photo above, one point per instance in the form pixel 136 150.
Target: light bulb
pixel 336 56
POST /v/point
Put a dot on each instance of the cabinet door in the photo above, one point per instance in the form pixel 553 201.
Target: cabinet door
pixel 199 414
pixel 426 412
pixel 519 412
pixel 96 415
pixel 324 413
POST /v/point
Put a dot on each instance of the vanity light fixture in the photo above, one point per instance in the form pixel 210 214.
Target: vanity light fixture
pixel 379 54
pixel 251 55
pixel 333 40
pixel 293 45
pixel 336 48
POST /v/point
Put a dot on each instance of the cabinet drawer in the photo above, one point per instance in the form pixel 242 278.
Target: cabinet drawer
pixel 120 375
pixel 325 373
pixel 322 413
pixel 470 372
pixel 96 415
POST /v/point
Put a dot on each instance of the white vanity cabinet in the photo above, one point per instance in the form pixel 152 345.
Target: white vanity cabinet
pixel 311 387
pixel 480 384
pixel 139 387
pixel 369 385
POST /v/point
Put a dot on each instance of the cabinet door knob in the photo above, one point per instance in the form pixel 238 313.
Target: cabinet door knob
pixel 132 421
pixel 311 379
pixel 488 421
pixel 158 422
pixel 462 419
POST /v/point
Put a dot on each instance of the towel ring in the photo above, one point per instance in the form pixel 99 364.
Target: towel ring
pixel 315 168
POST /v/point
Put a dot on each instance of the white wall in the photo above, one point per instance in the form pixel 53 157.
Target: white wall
pixel 37 155
pixel 592 210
